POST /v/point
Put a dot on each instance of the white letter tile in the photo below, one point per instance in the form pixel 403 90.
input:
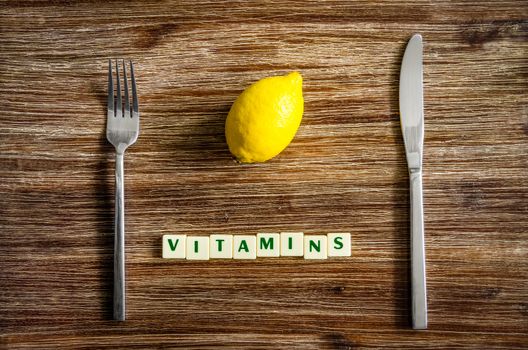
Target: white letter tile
pixel 292 243
pixel 244 247
pixel 173 246
pixel 268 244
pixel 315 247
pixel 221 247
pixel 339 244
pixel 197 247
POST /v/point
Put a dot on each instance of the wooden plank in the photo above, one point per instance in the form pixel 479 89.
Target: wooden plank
pixel 344 171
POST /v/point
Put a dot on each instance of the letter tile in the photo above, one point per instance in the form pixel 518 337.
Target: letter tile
pixel 292 243
pixel 197 247
pixel 244 247
pixel 173 246
pixel 221 246
pixel 268 244
pixel 339 244
pixel 315 247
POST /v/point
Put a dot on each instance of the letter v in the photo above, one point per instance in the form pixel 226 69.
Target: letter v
pixel 173 245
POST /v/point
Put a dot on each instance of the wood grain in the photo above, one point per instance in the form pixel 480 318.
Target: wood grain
pixel 345 171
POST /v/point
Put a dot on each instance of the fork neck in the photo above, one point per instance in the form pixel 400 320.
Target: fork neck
pixel 119 163
pixel 120 149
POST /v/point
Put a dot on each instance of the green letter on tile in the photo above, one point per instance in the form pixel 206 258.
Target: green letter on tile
pixel 244 246
pixel 315 246
pixel 338 243
pixel 219 244
pixel 173 245
pixel 266 244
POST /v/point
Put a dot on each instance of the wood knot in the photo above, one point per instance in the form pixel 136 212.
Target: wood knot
pixel 338 289
pixel 473 194
pixel 152 35
pixel 490 293
pixel 338 341
pixel 477 34
pixel 523 308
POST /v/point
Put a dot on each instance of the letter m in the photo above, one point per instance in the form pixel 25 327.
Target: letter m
pixel 266 243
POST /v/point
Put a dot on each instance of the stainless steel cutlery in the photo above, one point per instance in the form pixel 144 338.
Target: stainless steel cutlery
pixel 122 129
pixel 412 124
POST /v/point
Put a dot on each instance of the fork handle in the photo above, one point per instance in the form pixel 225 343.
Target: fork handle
pixel 419 295
pixel 119 241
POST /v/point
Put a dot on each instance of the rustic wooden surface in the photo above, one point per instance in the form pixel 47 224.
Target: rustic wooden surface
pixel 344 171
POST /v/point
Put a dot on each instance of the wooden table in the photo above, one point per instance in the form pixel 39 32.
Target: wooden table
pixel 344 171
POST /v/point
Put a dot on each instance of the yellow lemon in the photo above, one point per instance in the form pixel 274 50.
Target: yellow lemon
pixel 264 118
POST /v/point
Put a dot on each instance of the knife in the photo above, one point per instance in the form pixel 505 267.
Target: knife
pixel 412 124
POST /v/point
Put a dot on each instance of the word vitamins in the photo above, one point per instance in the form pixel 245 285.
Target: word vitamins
pixel 223 246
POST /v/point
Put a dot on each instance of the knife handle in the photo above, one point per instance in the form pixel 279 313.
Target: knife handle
pixel 419 295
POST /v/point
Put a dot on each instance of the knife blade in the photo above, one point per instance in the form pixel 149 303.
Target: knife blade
pixel 412 124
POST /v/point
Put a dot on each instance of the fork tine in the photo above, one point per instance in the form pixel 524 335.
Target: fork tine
pixel 127 100
pixel 110 107
pixel 135 109
pixel 119 106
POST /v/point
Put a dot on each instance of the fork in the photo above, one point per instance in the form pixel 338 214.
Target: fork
pixel 122 130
